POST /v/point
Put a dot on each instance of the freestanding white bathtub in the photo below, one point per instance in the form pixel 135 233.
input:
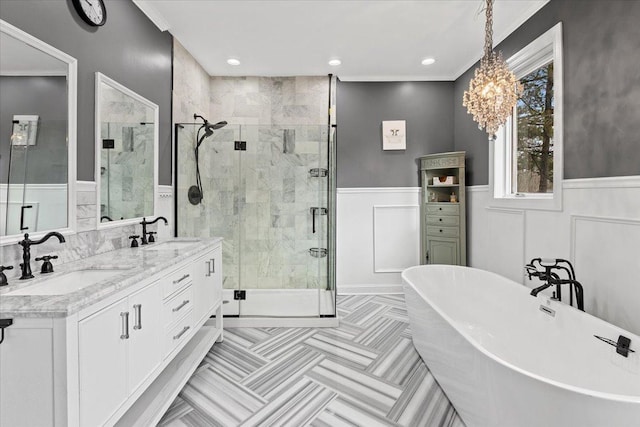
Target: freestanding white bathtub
pixel 502 361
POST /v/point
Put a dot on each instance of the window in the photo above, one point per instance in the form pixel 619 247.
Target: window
pixel 527 154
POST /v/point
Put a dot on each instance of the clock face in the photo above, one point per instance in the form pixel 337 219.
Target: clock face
pixel 93 12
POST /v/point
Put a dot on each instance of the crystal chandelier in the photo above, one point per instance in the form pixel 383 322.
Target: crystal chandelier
pixel 494 89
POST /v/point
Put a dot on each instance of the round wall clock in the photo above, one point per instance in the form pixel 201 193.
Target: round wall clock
pixel 93 12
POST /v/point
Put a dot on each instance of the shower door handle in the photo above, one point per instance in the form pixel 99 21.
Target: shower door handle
pixel 314 211
pixel 22 227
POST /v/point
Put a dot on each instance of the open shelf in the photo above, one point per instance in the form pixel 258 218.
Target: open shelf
pixel 156 399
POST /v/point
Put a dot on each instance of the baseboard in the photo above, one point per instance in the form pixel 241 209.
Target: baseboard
pixel 281 322
pixel 369 289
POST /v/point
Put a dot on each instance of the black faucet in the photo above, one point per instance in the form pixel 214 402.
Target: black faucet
pixel 539 289
pixel 144 223
pixel 544 270
pixel 26 244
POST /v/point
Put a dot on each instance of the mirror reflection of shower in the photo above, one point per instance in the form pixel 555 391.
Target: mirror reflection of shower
pixel 195 191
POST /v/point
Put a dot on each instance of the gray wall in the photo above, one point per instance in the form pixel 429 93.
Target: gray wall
pixel 128 48
pixel 362 106
pixel 601 42
pixel 45 97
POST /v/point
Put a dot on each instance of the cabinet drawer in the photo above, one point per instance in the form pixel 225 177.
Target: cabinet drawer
pixel 178 306
pixel 443 209
pixel 178 333
pixel 443 220
pixel 177 280
pixel 443 231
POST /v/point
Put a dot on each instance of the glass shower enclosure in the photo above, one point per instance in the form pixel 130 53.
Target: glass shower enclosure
pixel 269 191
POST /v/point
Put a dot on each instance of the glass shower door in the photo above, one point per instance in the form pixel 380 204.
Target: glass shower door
pixel 282 219
pixel 217 215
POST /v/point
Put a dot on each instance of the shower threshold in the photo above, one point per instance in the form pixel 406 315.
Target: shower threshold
pixel 280 308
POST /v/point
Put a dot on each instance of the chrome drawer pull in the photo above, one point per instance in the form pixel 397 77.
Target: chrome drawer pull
pixel 175 282
pixel 124 317
pixel 137 312
pixel 182 332
pixel 178 308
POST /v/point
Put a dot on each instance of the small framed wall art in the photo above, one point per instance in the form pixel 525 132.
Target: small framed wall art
pixel 25 129
pixel 394 135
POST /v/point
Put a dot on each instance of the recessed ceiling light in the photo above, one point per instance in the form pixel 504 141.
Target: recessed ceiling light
pixel 428 61
pixel 233 61
pixel 335 62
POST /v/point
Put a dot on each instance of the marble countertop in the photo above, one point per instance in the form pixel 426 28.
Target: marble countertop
pixel 136 263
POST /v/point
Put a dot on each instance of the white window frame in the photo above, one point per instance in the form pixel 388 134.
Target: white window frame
pixel 544 49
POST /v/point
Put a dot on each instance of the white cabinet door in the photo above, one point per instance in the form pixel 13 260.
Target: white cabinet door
pixel 208 282
pixel 103 363
pixel 145 349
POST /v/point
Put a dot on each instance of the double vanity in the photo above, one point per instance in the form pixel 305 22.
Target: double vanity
pixel 110 339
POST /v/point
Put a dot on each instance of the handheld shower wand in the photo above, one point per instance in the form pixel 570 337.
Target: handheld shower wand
pixel 195 193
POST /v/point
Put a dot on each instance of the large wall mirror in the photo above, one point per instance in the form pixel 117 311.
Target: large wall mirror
pixel 126 154
pixel 37 136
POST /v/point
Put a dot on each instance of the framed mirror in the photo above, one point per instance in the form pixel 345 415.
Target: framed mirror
pixel 38 84
pixel 126 154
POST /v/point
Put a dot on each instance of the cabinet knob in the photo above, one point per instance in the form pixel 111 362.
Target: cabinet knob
pixel 440 219
pixel 441 231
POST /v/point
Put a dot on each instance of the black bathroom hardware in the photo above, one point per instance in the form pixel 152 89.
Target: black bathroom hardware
pixel 316 211
pixel 4 323
pixel 26 244
pixel 47 267
pixel 318 173
pixel 3 278
pixel 240 145
pixel 239 295
pixel 546 270
pixel 195 191
pixel 22 227
pixel 144 223
pixel 151 238
pixel 103 217
pixel 318 252
pixel 622 345
pixel 134 242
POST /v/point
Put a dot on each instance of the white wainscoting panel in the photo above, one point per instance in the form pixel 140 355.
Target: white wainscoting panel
pixel 49 211
pixel 505 254
pixel 394 244
pixel 165 209
pixel 602 251
pixel 597 228
pixel 356 240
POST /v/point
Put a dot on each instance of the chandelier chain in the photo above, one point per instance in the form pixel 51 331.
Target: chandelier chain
pixel 488 30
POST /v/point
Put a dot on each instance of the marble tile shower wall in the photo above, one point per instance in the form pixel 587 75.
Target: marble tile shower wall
pixel 259 200
pixel 127 173
pixel 85 243
pixel 190 86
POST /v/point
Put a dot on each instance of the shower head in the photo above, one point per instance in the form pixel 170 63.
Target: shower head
pixel 208 129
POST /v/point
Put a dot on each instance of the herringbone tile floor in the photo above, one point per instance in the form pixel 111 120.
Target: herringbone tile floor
pixel 364 373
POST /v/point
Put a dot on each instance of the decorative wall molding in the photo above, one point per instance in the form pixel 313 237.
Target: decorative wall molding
pixel 477 188
pixel 608 182
pixel 605 252
pixel 165 191
pixel 393 227
pixel 598 229
pixel 361 217
pixel 378 190
pixel 86 186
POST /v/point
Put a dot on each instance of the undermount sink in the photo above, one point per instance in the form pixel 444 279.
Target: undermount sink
pixel 66 283
pixel 172 245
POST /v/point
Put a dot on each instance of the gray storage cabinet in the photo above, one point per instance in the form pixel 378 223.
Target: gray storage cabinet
pixel 443 233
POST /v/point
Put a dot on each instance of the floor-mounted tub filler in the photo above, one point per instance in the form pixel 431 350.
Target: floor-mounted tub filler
pixel 505 358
